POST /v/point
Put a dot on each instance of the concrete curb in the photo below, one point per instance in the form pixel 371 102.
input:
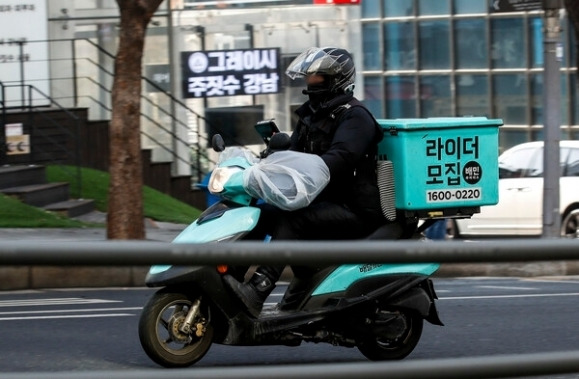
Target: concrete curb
pixel 35 277
pixel 514 269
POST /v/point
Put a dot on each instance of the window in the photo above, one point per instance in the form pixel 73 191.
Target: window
pixel 521 163
pixel 510 98
pixel 534 168
pixel 435 97
pixel 373 95
pixel 397 8
pixel 370 9
pixel 536 38
pixel 538 135
pixel 470 6
pixel 400 94
pixel 536 82
pixel 573 100
pixel 429 7
pixel 472 97
pixel 508 48
pixel 371 48
pixel 470 43
pixel 537 99
pixel 565 98
pixel 572 166
pixel 399 47
pixel 571 42
pixel 434 45
pixel 509 137
pixel 459 58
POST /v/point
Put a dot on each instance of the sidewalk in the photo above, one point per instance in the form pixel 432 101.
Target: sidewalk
pixel 155 231
pixel 28 277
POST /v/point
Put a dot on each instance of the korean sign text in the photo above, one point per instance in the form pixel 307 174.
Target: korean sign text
pixel 230 72
pixel 453 165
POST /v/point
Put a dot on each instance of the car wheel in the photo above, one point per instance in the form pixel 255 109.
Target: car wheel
pixel 570 224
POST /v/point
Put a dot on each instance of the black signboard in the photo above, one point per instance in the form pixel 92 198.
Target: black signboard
pixel 230 72
pixel 515 5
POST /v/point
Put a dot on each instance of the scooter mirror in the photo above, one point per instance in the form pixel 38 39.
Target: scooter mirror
pixel 217 143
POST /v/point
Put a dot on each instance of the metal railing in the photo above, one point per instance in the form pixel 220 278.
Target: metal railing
pixel 315 252
pixel 130 253
pixel 201 160
pixel 95 92
pixel 156 107
pixel 503 366
pixel 38 122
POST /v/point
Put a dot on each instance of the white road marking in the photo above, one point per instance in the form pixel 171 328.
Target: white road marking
pixel 61 301
pixel 65 316
pixel 73 310
pixel 509 288
pixel 60 313
pixel 508 296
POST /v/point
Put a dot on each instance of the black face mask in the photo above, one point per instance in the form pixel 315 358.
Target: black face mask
pixel 318 93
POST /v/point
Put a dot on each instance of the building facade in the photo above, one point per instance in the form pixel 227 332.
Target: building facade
pixel 415 58
pixel 464 57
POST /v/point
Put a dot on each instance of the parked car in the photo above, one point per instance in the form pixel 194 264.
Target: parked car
pixel 519 211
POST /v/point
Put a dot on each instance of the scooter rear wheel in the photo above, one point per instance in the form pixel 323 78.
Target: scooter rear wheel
pixel 394 339
pixel 161 334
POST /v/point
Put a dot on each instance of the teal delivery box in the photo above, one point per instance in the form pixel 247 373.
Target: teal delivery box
pixel 439 163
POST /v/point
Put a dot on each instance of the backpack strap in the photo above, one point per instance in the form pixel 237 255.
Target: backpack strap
pixel 336 113
pixel 350 104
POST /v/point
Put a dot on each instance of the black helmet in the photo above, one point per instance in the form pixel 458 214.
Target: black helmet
pixel 333 63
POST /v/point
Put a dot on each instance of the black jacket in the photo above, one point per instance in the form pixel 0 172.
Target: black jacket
pixel 345 135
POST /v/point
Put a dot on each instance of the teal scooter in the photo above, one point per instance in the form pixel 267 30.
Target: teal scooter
pixel 378 308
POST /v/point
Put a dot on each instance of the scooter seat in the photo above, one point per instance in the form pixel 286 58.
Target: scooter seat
pixel 390 231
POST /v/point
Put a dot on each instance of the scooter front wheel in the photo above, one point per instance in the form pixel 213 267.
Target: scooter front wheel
pixel 163 333
pixel 394 335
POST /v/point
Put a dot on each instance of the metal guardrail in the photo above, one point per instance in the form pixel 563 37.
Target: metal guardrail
pixel 462 368
pixel 96 78
pixel 59 153
pixel 122 253
pixel 131 253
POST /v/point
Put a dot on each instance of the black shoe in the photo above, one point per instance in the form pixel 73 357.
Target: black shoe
pixel 253 293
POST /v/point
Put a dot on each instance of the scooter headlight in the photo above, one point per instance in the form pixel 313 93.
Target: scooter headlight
pixel 219 177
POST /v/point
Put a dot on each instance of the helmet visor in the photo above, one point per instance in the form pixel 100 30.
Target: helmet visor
pixel 315 60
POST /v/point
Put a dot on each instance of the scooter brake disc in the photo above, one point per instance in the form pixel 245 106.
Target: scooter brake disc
pixel 174 328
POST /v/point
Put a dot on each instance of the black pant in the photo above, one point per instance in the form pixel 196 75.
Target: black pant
pixel 318 221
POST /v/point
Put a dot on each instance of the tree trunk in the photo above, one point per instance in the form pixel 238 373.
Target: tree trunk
pixel 125 203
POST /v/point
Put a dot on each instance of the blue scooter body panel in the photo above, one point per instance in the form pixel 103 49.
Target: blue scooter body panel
pixel 234 221
pixel 345 275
